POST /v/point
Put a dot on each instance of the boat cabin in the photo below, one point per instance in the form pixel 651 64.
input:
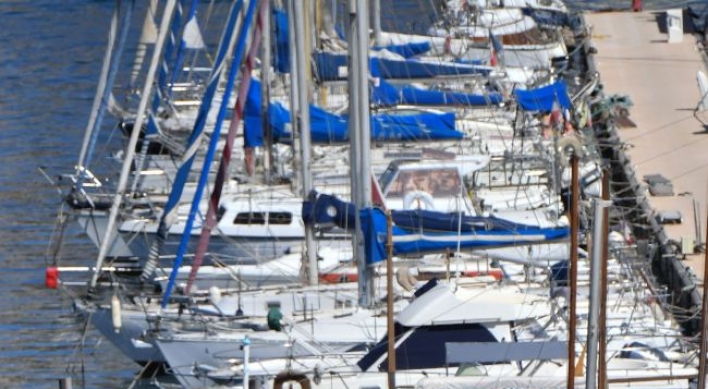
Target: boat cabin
pixel 433 185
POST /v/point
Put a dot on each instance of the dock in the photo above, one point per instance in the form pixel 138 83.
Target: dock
pixel 639 57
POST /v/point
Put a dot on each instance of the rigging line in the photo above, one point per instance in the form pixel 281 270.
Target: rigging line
pixel 672 150
pixel 130 151
pixel 227 149
pixel 171 208
pixel 105 86
pixel 139 375
pixel 238 112
pixel 662 127
pixel 60 223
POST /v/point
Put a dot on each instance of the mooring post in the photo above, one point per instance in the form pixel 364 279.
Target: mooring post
pixel 65 383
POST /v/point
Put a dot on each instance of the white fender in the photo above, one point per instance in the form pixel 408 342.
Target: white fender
pixel 214 294
pixel 116 315
pixel 413 199
pixel 406 279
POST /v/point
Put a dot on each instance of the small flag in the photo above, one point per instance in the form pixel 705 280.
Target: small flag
pixel 495 47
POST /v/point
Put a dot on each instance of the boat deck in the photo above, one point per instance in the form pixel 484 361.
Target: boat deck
pixel 636 59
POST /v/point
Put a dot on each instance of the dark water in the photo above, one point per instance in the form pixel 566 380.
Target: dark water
pixel 50 58
pixel 50 54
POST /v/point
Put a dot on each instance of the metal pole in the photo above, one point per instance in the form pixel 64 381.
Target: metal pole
pixel 595 277
pixel 602 329
pixel 704 323
pixel 359 135
pixel 130 148
pixel 294 103
pixel 389 305
pixel 246 357
pixel 304 126
pixel 364 138
pixel 265 91
pixel 574 227
pixel 376 7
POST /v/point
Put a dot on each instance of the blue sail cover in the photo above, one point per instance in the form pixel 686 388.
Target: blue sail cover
pixel 415 242
pixel 329 67
pixel 407 50
pixel 419 231
pixel 546 17
pixel 542 99
pixel 326 127
pixel 387 94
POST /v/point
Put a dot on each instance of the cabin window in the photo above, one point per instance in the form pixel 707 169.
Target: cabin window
pixel 436 182
pixel 282 218
pixel 220 212
pixel 250 218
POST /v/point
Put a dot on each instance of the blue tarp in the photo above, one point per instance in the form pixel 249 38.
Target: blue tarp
pixel 387 94
pixel 421 241
pixel 328 66
pixel 327 127
pixel 419 231
pixel 548 18
pixel 542 99
pixel 407 50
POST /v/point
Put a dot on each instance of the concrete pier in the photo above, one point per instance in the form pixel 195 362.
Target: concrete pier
pixel 635 58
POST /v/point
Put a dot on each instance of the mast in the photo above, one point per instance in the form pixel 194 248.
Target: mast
pixel 160 94
pixel 105 84
pixel 191 39
pixel 213 143
pixel 148 35
pixel 222 172
pixel 359 133
pixel 376 17
pixel 303 110
pixel 130 148
pixel 390 323
pixel 292 92
pixel 265 91
pixel 598 243
pixel 704 326
pixel 574 227
pixel 602 325
pixel 169 212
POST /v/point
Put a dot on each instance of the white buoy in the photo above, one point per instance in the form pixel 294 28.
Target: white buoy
pixel 214 294
pixel 116 313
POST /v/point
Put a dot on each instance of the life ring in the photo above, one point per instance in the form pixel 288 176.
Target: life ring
pixel 413 200
pixel 568 145
pixel 287 376
pixel 406 279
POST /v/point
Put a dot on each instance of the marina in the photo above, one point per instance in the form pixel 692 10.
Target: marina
pixel 508 223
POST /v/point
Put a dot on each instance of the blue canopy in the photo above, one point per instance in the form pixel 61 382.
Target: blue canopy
pixel 327 127
pixel 418 231
pixel 407 50
pixel 388 94
pixel 328 65
pixel 542 99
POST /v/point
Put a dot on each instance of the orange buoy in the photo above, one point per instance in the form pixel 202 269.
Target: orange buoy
pixel 51 277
